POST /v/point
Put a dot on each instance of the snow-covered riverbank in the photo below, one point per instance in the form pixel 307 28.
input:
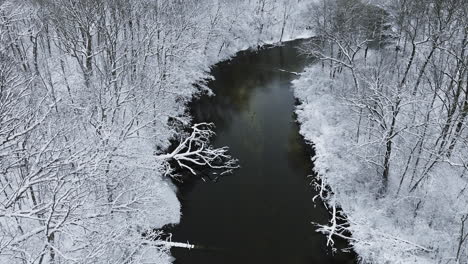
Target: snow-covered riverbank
pixel 384 229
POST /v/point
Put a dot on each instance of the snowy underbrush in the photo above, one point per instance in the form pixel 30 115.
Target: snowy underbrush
pixel 423 225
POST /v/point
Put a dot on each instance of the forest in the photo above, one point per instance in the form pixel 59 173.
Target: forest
pixel 386 108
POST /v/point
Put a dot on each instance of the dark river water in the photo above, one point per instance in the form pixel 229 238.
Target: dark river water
pixel 263 212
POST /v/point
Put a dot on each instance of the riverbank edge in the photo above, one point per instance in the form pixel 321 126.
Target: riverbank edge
pixel 315 116
pixel 325 123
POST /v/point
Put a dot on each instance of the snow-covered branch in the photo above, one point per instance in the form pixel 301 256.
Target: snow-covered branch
pixel 195 151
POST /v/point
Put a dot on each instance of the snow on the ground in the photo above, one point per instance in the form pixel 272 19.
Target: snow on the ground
pixel 384 230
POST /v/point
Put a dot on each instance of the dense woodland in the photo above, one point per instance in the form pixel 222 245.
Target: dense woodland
pixel 91 93
pixel 387 107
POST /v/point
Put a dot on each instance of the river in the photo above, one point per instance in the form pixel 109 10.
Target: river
pixel 263 212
